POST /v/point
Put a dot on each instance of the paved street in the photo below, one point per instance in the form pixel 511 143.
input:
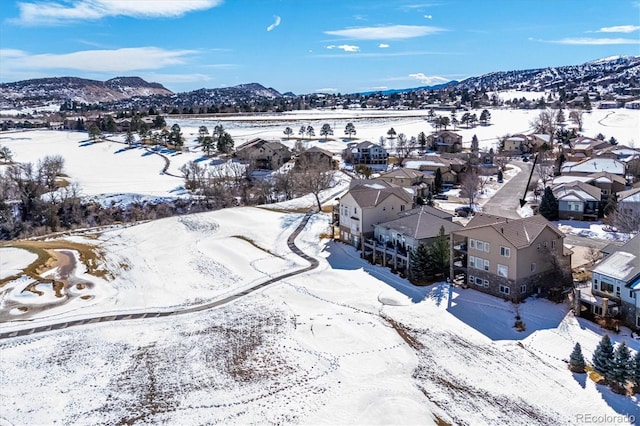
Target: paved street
pixel 505 202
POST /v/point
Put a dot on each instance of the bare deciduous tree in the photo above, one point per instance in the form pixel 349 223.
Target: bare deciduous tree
pixel 469 185
pixel 312 178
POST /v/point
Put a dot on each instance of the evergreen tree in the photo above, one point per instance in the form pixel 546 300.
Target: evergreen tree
pixel 350 130
pixel 422 140
pixel 475 146
pixel 439 254
pixel 636 371
pixel 620 366
pixel 603 357
pixel 549 205
pixel 420 267
pixel 225 143
pixel 437 181
pixel 576 360
pixel 326 130
pixel 429 201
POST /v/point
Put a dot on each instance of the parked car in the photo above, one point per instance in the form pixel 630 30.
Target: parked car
pixel 464 211
pixel 440 197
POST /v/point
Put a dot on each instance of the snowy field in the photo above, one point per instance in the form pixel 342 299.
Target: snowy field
pixel 347 343
pixel 108 169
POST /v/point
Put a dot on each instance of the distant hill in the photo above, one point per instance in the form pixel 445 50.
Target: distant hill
pixel 413 89
pixel 612 74
pixel 58 90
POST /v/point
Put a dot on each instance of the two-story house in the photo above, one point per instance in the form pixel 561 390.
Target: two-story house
pixel 366 153
pixel 315 156
pixel 510 258
pixel 394 240
pixel 577 200
pixel 367 204
pixel 445 141
pixel 615 285
pixel 265 154
pixel 408 178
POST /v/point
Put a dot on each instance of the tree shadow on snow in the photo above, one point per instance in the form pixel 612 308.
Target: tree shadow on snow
pixel 621 404
pixel 497 318
pixel 581 378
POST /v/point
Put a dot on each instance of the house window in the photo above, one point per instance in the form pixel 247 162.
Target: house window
pixel 504 289
pixel 606 287
pixel 553 244
pixel 632 295
pixel 597 310
pixel 533 267
pixel 486 247
pixel 574 206
pixel 486 265
pixel 472 243
pixel 479 281
pixel 523 289
pixel 544 244
pixel 472 280
pixel 402 207
pixel 503 270
pixel 486 283
pixel 505 251
pixel 472 261
pixel 617 291
pixel 355 210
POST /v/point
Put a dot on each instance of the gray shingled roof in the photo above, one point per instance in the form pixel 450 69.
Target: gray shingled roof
pixel 371 197
pixel 422 224
pixel 519 232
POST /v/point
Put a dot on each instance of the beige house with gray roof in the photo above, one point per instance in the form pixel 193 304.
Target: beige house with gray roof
pixel 510 258
pixel 367 204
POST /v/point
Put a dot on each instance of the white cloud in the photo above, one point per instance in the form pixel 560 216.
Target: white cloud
pixel 428 80
pixel 619 29
pixel 345 47
pixel 60 12
pixel 275 24
pixel 594 41
pixel 428 16
pixel 383 45
pixel 118 60
pixel 392 32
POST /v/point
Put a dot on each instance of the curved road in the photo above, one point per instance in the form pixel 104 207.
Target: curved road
pixel 313 263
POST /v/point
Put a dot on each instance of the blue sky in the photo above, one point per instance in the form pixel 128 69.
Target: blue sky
pixel 305 46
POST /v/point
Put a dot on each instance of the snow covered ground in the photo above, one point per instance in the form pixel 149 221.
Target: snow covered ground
pixel 347 343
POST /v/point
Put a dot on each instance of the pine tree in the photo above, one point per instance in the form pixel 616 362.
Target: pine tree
pixel 636 371
pixel 420 265
pixel 437 181
pixel 438 253
pixel 576 360
pixel 603 357
pixel 549 205
pixel 621 366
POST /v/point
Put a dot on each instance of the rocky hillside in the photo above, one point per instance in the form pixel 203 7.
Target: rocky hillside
pixel 613 74
pixel 58 90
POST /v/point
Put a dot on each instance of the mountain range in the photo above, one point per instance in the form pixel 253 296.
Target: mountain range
pixel 607 75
